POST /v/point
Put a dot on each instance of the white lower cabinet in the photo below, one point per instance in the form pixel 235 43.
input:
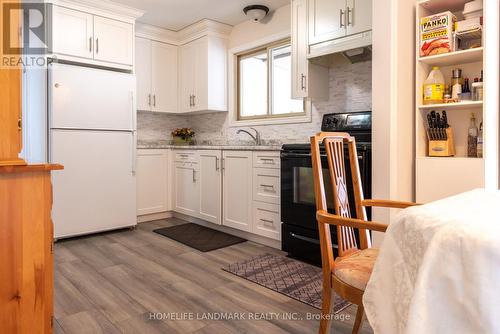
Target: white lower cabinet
pixel 186 188
pixel 266 220
pixel 152 181
pixel 237 189
pixel 210 183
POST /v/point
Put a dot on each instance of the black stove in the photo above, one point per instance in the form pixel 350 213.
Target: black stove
pixel 300 236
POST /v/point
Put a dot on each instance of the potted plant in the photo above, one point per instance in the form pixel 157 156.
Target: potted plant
pixel 182 136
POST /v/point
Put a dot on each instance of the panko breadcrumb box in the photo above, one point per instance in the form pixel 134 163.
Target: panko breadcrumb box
pixel 436 34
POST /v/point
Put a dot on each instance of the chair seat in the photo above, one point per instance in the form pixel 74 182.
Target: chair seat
pixel 355 269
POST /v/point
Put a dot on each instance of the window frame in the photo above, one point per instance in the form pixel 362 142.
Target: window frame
pixel 269 105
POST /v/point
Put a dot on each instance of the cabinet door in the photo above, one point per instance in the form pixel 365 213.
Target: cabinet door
pixel 72 32
pixel 187 77
pixel 114 41
pixel 237 189
pixel 210 180
pixel 359 16
pixel 200 92
pixel 164 77
pixel 152 181
pixel 143 68
pixel 327 20
pixel 299 49
pixel 187 192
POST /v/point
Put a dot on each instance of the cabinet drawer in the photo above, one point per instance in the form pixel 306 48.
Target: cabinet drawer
pixel 267 220
pixel 185 156
pixel 266 159
pixel 266 185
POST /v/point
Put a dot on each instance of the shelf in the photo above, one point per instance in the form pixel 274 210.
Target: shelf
pixel 454 58
pixel 452 106
pixel 457 159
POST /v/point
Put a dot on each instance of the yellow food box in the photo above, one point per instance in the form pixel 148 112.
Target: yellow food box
pixel 436 33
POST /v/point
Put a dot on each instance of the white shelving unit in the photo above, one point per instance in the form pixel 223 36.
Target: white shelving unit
pixel 439 177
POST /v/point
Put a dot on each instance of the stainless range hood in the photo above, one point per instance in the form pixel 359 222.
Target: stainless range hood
pixel 359 54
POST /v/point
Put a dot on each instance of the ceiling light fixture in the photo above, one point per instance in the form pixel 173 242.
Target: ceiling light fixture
pixel 256 12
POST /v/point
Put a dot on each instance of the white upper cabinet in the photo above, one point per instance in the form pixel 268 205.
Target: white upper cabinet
pixel 143 72
pixel 164 77
pixel 332 19
pixel 203 75
pixel 156 71
pixel 114 41
pixel 83 35
pixel 359 16
pixel 72 32
pixel 308 80
pixel 327 20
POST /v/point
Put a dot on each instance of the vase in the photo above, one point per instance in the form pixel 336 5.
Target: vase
pixel 181 141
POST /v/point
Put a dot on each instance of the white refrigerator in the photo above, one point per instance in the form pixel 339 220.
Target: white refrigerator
pixel 92 132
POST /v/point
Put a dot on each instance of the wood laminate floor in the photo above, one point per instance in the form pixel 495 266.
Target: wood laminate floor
pixel 116 282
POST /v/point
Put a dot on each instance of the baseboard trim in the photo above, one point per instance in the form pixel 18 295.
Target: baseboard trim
pixel 242 234
pixel 154 216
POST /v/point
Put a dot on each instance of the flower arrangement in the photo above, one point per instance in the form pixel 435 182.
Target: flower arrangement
pixel 183 135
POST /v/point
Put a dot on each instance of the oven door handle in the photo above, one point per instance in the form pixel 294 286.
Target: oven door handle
pixel 311 240
pixel 298 155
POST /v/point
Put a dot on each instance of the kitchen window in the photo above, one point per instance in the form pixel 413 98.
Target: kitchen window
pixel 264 83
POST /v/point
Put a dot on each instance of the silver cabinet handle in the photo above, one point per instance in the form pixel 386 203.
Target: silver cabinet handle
pixel 154 100
pixel 223 163
pixel 342 13
pixel 349 14
pixel 190 100
pixel 184 155
pixel 90 44
pixel 217 164
pixel 194 100
pixel 267 186
pixel 303 81
pixel 267 159
pixel 97 45
pixel 194 175
pixel 268 221
pixel 149 100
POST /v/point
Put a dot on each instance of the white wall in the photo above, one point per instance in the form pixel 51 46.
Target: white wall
pixel 393 103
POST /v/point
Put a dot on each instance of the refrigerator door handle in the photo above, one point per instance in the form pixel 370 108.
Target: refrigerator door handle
pixel 134 152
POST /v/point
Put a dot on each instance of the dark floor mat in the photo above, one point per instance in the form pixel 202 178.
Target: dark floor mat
pixel 199 237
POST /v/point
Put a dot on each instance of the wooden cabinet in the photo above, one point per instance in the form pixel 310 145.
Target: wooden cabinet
pixel 114 41
pixel 152 181
pixel 187 188
pixel 210 180
pixel 10 117
pixel 156 71
pixel 332 19
pixel 237 189
pixel 26 249
pixel 203 75
pixel 308 80
pixel 83 35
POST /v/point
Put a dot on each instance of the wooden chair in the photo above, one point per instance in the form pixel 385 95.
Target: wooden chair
pixel 348 274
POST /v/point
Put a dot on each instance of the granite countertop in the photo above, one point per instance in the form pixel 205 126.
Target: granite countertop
pixel 165 144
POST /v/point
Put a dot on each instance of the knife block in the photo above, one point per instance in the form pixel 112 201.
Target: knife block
pixel 442 148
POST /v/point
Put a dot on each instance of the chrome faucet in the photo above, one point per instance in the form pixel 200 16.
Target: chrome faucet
pixel 256 138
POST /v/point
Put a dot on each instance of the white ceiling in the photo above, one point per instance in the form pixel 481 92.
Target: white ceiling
pixel 177 14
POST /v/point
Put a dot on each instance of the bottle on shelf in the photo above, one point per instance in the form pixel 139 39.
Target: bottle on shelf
pixel 477 89
pixel 456 84
pixel 472 138
pixel 466 94
pixel 480 141
pixel 434 87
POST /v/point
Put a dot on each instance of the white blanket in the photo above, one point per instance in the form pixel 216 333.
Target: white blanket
pixel 438 270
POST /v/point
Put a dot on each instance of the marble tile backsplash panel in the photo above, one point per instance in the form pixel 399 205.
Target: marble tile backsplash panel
pixel 350 88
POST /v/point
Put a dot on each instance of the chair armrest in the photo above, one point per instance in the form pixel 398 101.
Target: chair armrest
pixel 387 203
pixel 328 218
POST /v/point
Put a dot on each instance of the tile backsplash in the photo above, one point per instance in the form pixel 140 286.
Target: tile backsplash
pixel 350 90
